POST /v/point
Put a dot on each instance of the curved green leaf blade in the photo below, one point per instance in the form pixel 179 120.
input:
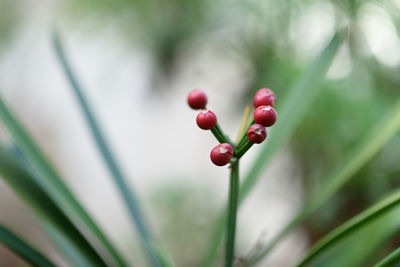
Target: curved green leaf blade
pixel 69 239
pixel 360 247
pixel 290 116
pixel 351 225
pixel 23 249
pixel 390 260
pixel 372 143
pixel 52 183
pixel 291 113
pixel 127 194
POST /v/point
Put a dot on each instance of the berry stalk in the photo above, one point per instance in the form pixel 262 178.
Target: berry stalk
pixel 226 152
pixel 218 135
pixel 244 137
pixel 232 211
pixel 242 150
pixel 226 138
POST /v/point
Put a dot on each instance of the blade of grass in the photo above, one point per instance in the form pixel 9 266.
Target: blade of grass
pixel 128 195
pixel 291 113
pixel 390 260
pixel 351 225
pixel 75 247
pixel 52 183
pixel 23 249
pixel 372 143
pixel 290 116
pixel 362 245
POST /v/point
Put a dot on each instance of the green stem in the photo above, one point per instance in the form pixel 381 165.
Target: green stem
pixel 243 149
pixel 220 136
pixel 227 140
pixel 232 210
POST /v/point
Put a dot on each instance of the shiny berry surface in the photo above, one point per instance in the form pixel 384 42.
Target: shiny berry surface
pixel 256 133
pixel 197 99
pixel 206 119
pixel 221 154
pixel 264 97
pixel 265 115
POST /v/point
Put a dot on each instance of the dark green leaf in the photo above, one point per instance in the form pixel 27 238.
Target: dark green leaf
pixel 390 260
pixel 70 241
pixel 127 194
pixel 52 183
pixel 23 249
pixel 352 225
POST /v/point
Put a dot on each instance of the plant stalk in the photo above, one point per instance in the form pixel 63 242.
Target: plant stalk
pixel 221 139
pixel 232 211
pixel 243 149
pixel 220 136
pixel 244 136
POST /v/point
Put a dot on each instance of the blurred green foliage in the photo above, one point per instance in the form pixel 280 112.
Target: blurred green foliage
pixel 269 44
pixel 260 33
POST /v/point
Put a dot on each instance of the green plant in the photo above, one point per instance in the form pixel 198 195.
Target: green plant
pixel 83 243
pixel 228 152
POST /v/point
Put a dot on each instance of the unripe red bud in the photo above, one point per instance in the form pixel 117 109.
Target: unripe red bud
pixel 264 97
pixel 221 154
pixel 256 133
pixel 197 99
pixel 206 119
pixel 265 115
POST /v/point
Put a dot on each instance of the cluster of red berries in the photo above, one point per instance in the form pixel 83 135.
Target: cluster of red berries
pixel 264 116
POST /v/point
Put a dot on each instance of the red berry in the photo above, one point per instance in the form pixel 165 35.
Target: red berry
pixel 256 133
pixel 206 119
pixel 221 154
pixel 265 115
pixel 264 97
pixel 197 99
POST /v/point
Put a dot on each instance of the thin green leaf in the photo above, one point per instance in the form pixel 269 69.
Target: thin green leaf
pixel 351 225
pixel 71 242
pixel 372 143
pixel 52 183
pixel 390 260
pixel 128 195
pixel 362 245
pixel 291 113
pixel 290 116
pixel 23 249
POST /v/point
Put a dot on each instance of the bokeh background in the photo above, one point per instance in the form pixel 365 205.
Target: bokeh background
pixel 137 61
